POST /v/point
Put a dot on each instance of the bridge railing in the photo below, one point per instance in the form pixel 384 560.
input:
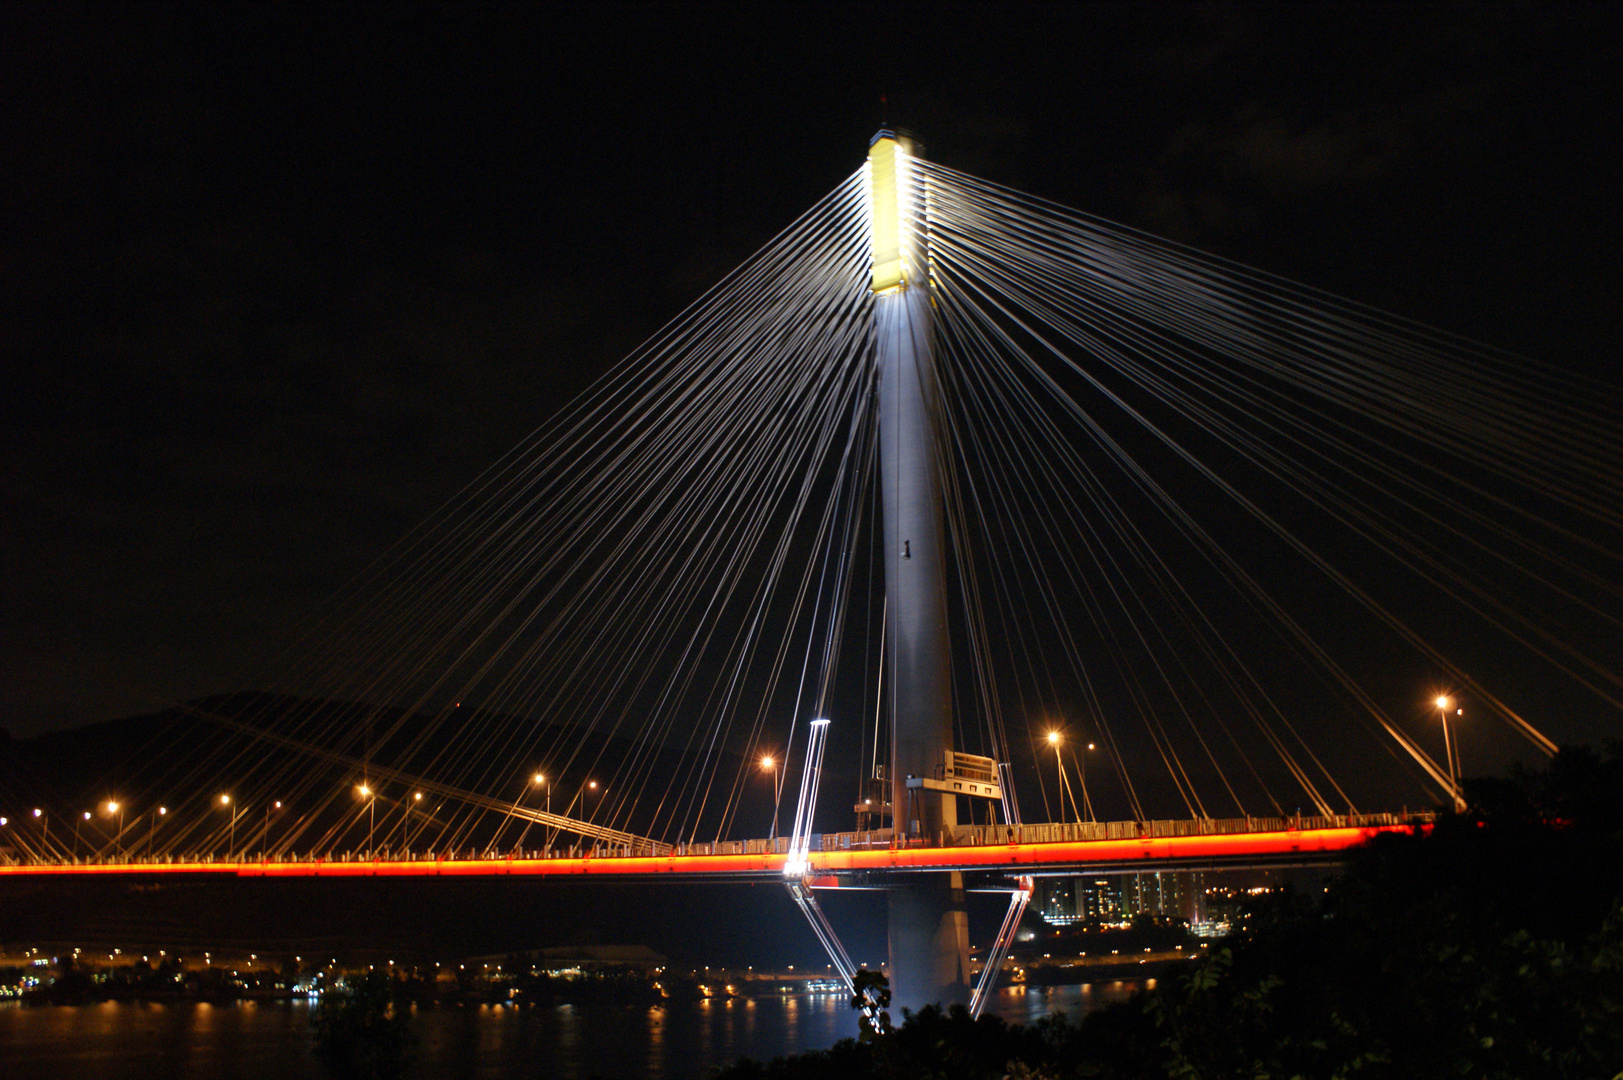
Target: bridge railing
pixel 961 836
pixel 1076 832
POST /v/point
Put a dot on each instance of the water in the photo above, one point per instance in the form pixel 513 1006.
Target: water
pixel 251 1041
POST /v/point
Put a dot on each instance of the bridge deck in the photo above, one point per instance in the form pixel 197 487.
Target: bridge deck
pixel 1272 847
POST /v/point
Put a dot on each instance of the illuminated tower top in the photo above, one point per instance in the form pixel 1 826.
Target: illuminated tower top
pixel 889 182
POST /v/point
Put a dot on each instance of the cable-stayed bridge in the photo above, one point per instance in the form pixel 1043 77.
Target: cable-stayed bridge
pixel 995 505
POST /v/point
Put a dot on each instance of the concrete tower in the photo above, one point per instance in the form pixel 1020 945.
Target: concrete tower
pixel 929 944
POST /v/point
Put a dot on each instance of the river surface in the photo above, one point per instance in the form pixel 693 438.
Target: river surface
pixel 249 1041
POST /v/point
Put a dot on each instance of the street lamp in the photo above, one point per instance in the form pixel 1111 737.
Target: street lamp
pixel 371 813
pixel 264 837
pixel 45 830
pixel 1054 739
pixel 231 845
pixel 1082 771
pixel 538 780
pixel 1451 751
pixel 416 798
pixel 114 807
pixel 156 814
pixel 770 764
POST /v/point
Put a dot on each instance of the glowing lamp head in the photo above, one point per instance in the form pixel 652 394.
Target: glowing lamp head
pixel 1053 738
pixel 591 785
pixel 364 790
pixel 767 762
pixel 1090 746
pixel 112 808
pixel 225 800
pixel 38 812
pixel 1442 702
pixel 418 797
pixel 87 815
pixel 537 778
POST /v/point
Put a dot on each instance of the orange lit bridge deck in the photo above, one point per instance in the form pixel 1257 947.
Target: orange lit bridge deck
pixel 830 866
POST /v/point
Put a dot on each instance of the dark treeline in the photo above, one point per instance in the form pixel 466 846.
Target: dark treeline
pixel 1491 948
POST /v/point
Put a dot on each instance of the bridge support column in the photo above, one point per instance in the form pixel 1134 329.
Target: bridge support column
pixel 929 943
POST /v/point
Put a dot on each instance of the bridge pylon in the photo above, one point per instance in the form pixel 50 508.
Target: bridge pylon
pixel 928 928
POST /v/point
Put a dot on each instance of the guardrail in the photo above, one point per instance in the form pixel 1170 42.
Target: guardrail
pixel 1070 832
pixel 961 836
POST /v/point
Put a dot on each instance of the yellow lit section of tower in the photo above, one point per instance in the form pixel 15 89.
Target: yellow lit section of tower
pixel 887 165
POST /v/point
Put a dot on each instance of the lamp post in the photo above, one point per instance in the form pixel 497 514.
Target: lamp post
pixel 231 844
pixel 264 836
pixel 1054 739
pixel 416 797
pixel 45 830
pixel 540 780
pixel 1082 771
pixel 76 821
pixel 115 807
pixel 580 797
pixel 770 764
pixel 371 813
pixel 1451 752
pixel 156 814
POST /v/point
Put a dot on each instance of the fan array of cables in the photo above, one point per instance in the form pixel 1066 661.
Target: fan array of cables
pixel 1198 517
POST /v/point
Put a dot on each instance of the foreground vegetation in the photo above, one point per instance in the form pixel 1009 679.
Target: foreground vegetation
pixel 1491 948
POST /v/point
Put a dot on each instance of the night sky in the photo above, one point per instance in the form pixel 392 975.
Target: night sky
pixel 276 280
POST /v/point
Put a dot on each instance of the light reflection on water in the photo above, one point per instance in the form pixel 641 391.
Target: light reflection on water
pixel 181 1041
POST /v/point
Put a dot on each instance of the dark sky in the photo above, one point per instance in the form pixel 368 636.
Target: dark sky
pixel 275 280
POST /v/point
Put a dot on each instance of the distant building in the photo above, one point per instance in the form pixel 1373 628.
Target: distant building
pixel 1170 894
pixel 1108 898
pixel 1064 901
